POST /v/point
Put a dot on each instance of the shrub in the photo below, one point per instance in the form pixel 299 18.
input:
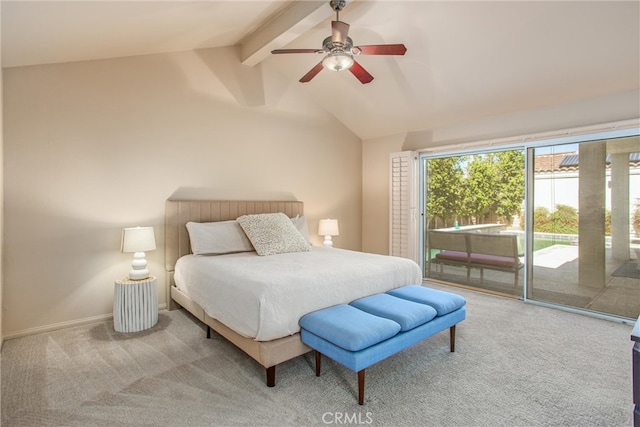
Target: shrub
pixel 541 219
pixel 636 219
pixel 564 220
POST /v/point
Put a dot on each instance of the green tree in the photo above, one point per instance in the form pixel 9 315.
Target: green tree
pixel 444 187
pixel 480 187
pixel 510 188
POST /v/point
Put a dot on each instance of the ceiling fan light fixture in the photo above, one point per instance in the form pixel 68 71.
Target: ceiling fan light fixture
pixel 340 51
pixel 337 61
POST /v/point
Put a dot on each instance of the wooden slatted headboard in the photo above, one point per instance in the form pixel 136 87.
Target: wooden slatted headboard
pixel 179 212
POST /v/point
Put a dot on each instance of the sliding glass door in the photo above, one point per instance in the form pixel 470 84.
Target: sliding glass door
pixel 585 211
pixel 471 200
pixel 557 222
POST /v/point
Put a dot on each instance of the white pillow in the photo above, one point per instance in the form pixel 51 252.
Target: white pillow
pixel 273 233
pixel 301 224
pixel 217 238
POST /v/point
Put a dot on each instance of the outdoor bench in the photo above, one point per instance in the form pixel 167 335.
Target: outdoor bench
pixel 475 250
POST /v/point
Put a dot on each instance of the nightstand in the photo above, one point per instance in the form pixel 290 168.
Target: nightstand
pixel 135 304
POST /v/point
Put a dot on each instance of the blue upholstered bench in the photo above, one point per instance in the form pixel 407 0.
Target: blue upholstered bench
pixel 370 329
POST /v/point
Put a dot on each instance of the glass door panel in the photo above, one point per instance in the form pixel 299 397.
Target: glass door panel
pixel 473 232
pixel 579 227
pixel 585 197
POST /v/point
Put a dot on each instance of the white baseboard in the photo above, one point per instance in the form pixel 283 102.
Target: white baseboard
pixel 63 325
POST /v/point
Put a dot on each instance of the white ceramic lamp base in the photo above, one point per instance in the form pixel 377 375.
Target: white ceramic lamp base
pixel 139 269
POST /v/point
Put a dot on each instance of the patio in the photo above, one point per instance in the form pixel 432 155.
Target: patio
pixel 553 271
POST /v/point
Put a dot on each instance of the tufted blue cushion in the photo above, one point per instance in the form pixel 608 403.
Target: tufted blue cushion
pixel 443 302
pixel 349 328
pixel 406 313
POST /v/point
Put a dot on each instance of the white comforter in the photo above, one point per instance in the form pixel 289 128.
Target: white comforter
pixel 263 297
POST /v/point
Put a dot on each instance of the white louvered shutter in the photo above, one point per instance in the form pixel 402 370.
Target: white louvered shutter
pixel 403 229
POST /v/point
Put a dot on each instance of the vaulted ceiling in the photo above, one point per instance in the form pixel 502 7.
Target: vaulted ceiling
pixel 464 60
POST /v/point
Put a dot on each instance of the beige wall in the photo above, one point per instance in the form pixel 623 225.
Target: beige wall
pixel 375 192
pixel 92 147
pixel 375 152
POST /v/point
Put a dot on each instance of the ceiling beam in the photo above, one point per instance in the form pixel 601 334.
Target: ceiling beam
pixel 291 23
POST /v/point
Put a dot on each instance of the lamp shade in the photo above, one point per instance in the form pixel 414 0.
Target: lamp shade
pixel 138 239
pixel 337 61
pixel 328 227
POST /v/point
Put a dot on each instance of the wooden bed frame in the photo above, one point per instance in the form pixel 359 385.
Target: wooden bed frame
pixel 177 214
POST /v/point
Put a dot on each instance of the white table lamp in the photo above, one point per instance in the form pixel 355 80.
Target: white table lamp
pixel 138 240
pixel 328 228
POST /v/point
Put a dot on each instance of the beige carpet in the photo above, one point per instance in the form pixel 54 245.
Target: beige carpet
pixel 516 364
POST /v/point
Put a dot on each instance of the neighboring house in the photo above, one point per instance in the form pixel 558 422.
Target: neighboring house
pixel 556 180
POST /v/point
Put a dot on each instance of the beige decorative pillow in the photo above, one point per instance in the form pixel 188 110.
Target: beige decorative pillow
pixel 217 238
pixel 272 234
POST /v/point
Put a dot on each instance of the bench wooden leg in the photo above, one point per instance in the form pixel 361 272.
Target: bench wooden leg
pixel 360 377
pixel 318 360
pixel 361 387
pixel 271 376
pixel 452 338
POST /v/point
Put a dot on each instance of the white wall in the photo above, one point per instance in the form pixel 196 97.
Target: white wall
pixel 92 147
pixel 553 189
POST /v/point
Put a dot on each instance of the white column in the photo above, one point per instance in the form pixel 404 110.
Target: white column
pixel 620 239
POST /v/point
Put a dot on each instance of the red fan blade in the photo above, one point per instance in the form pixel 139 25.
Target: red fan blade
pixel 360 73
pixel 380 49
pixel 297 51
pixel 339 32
pixel 312 73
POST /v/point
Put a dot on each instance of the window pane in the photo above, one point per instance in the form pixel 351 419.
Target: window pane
pixel 585 199
pixel 579 229
pixel 474 235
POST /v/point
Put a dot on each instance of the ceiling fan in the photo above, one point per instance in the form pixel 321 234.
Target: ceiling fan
pixel 339 50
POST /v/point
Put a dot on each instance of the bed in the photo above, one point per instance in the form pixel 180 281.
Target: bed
pixel 258 305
